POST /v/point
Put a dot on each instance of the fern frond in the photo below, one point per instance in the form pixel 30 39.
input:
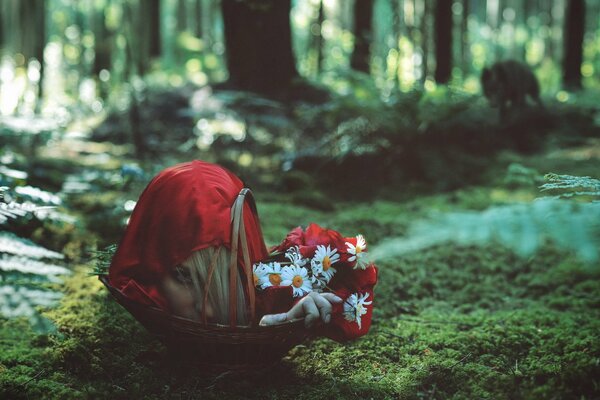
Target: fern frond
pixel 571 185
pixel 38 195
pixel 103 259
pixel 10 209
pixel 521 227
pixel 12 244
pixel 25 265
pixel 22 301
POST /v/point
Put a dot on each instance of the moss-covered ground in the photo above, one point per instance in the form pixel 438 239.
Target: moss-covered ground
pixel 449 322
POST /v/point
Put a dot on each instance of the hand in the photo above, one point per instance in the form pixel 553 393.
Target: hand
pixel 311 307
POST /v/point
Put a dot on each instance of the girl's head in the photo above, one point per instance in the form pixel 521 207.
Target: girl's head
pixel 179 221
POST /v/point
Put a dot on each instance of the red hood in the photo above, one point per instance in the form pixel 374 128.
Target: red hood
pixel 183 209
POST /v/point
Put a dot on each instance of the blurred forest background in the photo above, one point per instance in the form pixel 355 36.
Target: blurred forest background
pixel 366 116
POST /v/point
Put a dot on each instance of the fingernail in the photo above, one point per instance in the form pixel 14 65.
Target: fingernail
pixel 327 319
pixel 337 299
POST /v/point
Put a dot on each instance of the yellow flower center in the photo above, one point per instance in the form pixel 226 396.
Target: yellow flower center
pixel 275 279
pixel 326 263
pixel 359 249
pixel 297 281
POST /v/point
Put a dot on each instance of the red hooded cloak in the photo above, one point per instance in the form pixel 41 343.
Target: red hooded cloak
pixel 185 208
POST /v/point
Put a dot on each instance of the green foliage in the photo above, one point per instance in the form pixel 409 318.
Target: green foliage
pixel 571 186
pixel 521 227
pixel 102 259
pixel 519 175
pixel 450 322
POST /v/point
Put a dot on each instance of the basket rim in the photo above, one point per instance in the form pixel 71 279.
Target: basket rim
pixel 120 297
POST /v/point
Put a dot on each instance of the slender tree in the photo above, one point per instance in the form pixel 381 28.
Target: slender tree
pixel 258 44
pixel 136 57
pixel 103 42
pixel 397 20
pixel 465 49
pixel 198 18
pixel 443 41
pixel 425 38
pixel 363 32
pixel 573 42
pixel 181 16
pixel 40 45
pixel 3 41
pixel 550 50
pixel 153 7
pixel 319 38
pixel 31 34
pixel 527 11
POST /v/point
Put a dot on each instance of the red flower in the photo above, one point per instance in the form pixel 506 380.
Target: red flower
pixel 294 238
pixel 316 235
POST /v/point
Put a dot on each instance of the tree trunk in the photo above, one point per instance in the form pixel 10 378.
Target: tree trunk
pixel 573 42
pixel 259 45
pixel 135 66
pixel 363 32
pixel 319 39
pixel 527 11
pixel 31 38
pixel 181 16
pixel 3 36
pixel 549 51
pixel 103 43
pixel 424 42
pixel 397 20
pixel 198 18
pixel 443 41
pixel 154 26
pixel 465 45
pixel 39 46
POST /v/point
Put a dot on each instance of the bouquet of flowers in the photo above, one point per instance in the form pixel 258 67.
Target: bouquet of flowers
pixel 322 260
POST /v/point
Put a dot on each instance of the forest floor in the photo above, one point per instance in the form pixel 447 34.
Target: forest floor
pixel 450 321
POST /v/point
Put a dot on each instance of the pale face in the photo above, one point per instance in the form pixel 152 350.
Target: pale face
pixel 178 288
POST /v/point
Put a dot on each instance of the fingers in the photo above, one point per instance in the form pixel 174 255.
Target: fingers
pixel 311 307
pixel 324 307
pixel 296 312
pixel 332 298
pixel 273 319
pixel 311 311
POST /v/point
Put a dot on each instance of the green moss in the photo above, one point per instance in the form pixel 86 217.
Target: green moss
pixel 449 322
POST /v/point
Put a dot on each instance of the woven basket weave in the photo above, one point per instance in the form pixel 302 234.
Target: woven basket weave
pixel 214 346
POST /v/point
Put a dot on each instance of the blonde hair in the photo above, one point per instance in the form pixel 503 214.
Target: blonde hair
pixel 217 298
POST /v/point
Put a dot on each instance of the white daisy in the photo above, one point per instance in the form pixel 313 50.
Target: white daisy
pixel 260 274
pixel 322 263
pixel 355 306
pixel 297 277
pixel 358 252
pixel 293 254
pixel 273 275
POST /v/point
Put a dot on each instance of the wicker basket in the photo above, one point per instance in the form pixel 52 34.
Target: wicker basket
pixel 214 346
